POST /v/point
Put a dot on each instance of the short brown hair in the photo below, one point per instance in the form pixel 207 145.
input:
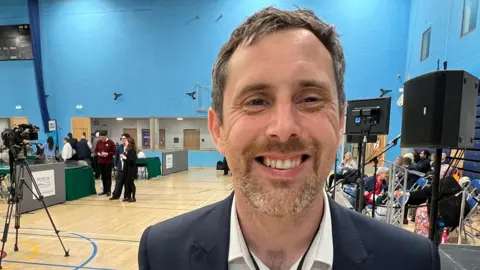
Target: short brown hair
pixel 267 21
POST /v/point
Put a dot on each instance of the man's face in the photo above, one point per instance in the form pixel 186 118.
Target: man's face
pixel 103 138
pixel 281 121
pixel 422 155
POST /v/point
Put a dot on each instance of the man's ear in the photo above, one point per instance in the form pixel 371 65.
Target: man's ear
pixel 216 130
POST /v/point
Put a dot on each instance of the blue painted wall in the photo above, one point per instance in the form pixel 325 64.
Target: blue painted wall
pixel 154 51
pixel 17 78
pixel 445 19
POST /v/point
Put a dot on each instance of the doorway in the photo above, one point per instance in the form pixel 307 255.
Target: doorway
pixel 17 121
pixel 161 138
pixel 191 139
pixel 133 133
pixel 80 126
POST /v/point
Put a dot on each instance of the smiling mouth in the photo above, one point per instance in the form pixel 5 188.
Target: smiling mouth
pixel 282 164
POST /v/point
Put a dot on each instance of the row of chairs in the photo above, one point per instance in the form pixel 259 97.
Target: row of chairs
pixel 472 195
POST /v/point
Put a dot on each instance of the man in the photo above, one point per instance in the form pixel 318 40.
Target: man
pixel 95 165
pixel 84 150
pixel 105 150
pixel 118 167
pixel 277 115
pixel 423 165
pixel 67 150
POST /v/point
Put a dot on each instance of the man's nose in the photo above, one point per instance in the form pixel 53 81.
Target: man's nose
pixel 283 123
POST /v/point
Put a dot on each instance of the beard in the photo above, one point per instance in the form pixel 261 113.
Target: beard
pixel 278 199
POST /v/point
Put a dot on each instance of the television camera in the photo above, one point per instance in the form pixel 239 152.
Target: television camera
pixel 17 139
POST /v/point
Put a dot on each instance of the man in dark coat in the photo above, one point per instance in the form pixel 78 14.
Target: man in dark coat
pixel 117 192
pixel 277 115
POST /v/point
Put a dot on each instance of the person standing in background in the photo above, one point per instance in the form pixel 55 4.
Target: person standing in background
pixel 84 150
pixel 49 150
pixel 95 157
pixel 117 192
pixel 73 142
pixel 67 150
pixel 105 150
pixel 129 161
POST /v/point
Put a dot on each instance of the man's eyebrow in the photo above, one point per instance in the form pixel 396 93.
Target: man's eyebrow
pixel 313 83
pixel 254 87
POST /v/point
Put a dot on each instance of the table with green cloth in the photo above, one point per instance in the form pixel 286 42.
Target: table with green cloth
pixel 79 182
pixel 153 165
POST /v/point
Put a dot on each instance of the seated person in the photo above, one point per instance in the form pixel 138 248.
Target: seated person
pixel 424 165
pixel 421 196
pixel 413 175
pixel 346 168
pixel 377 183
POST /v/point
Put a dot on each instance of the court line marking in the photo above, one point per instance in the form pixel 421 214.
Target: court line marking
pixel 57 265
pixel 94 253
pixel 35 253
pixel 72 237
pixel 102 234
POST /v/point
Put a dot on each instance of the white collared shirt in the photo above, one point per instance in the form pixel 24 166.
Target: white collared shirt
pixel 319 256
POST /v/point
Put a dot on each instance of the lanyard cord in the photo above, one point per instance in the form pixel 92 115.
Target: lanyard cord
pixel 300 265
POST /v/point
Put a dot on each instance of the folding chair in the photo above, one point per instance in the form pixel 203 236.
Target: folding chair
pixel 472 200
pixel 419 184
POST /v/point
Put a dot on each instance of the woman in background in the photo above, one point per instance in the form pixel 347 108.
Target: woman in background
pixel 346 168
pixel 129 166
pixel 49 150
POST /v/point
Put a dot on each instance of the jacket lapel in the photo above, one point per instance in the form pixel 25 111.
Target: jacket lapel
pixel 210 243
pixel 348 249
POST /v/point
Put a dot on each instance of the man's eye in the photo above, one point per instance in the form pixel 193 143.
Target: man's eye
pixel 310 99
pixel 256 102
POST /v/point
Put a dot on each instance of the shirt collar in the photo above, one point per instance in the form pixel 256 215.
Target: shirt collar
pixel 321 250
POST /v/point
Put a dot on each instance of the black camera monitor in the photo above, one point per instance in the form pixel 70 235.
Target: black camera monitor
pixel 368 116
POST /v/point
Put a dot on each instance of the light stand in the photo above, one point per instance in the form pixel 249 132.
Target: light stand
pixel 433 230
pixel 16 196
pixel 361 172
pixel 334 177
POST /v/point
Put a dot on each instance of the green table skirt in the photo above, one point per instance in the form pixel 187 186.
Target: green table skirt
pixel 153 165
pixel 79 183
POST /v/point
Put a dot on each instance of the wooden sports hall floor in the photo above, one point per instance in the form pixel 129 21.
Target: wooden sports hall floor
pixel 103 234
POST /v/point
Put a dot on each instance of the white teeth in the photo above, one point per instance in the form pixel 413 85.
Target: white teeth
pixel 282 164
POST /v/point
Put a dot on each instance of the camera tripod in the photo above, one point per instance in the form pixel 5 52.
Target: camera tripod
pixel 15 197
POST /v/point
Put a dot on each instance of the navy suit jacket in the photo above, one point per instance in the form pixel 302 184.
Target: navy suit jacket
pixel 200 240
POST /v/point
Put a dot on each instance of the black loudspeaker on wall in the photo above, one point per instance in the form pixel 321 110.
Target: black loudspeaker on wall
pixel 440 110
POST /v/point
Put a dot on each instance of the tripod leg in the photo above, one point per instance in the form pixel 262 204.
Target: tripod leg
pixel 39 197
pixel 8 218
pixel 17 225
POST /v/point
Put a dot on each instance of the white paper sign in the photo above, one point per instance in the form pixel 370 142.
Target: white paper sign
pixel 52 125
pixel 46 183
pixel 169 161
